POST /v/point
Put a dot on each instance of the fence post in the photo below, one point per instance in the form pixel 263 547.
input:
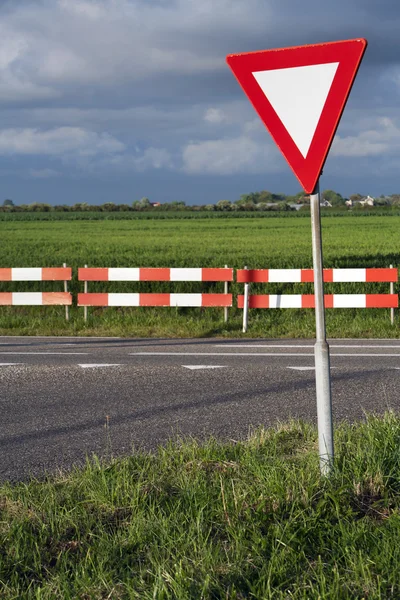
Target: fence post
pixel 85 289
pixel 225 292
pixel 66 290
pixel 392 292
pixel 245 306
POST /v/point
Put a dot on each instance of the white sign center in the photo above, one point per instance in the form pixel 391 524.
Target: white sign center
pixel 298 96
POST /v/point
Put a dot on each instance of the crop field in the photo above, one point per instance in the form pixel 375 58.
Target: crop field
pixel 279 242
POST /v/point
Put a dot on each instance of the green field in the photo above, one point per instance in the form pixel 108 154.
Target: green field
pixel 258 242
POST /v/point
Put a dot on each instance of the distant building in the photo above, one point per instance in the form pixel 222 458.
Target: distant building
pixel 155 203
pixel 366 201
pixel 325 204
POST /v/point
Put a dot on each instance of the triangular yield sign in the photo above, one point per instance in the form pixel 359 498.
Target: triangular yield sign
pixel 300 94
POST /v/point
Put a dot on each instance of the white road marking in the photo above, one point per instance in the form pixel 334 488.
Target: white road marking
pixel 305 368
pixel 263 345
pixel 9 364
pixel 358 354
pixel 94 366
pixel 62 337
pixel 47 353
pixel 193 367
pixel 299 346
pixel 220 354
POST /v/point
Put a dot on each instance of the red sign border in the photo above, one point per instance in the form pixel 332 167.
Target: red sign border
pixel 348 53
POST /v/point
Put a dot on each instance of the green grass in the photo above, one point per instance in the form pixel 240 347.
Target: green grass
pixel 248 519
pixel 279 242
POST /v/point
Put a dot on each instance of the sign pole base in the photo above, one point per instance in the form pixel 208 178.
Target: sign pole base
pixel 321 349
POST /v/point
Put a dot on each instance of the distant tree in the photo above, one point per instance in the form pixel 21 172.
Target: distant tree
pixel 145 203
pixel 245 199
pixel 177 204
pixel 382 201
pixel 8 202
pixel 395 199
pixel 265 196
pixel 223 205
pixel 109 207
pixel 285 206
pixel 279 198
pixel 39 207
pixel 333 197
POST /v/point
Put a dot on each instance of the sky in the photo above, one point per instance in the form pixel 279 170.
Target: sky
pixel 114 100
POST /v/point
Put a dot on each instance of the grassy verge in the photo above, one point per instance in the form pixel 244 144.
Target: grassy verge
pixel 249 519
pixel 195 323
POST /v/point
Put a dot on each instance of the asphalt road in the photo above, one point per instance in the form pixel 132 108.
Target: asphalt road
pixel 64 398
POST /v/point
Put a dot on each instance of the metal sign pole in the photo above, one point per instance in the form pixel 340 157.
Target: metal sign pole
pixel 321 349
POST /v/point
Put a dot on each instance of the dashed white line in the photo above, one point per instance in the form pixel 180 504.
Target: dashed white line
pixel 48 353
pixel 305 368
pixel 96 366
pixel 194 367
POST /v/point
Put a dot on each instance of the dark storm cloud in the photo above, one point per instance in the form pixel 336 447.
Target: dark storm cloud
pixel 121 86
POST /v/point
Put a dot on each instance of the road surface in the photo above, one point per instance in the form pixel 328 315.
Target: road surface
pixel 64 398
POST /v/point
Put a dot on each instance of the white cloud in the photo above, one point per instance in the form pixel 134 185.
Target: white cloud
pixel 43 173
pixel 214 115
pixel 79 148
pixel 15 83
pixel 230 156
pixel 150 158
pixel 57 142
pixel 157 158
pixel 89 10
pixel 382 138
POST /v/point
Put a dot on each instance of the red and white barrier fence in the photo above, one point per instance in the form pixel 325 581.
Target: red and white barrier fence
pixel 248 276
pixel 214 275
pixel 154 274
pixel 37 298
pixel 155 299
pixel 307 275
